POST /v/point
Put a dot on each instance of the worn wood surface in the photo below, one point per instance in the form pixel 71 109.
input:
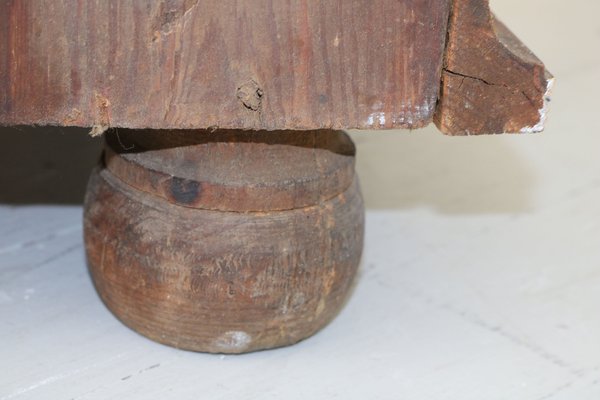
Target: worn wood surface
pixel 233 170
pixel 491 83
pixel 225 281
pixel 261 64
pixel 267 65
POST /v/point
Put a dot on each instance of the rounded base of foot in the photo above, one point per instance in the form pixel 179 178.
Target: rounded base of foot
pixel 220 281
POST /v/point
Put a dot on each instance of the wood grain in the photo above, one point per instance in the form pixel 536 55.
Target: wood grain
pixel 261 64
pixel 491 83
pixel 225 281
pixel 203 169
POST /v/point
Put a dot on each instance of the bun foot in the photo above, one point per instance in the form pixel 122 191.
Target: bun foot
pixel 224 242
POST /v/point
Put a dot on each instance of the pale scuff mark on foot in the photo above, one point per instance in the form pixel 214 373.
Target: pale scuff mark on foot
pixel 233 342
pixel 320 307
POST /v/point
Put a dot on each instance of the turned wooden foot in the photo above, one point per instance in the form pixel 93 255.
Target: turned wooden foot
pixel 224 242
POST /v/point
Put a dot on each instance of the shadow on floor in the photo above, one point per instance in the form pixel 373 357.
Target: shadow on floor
pixel 398 170
pixel 451 175
pixel 45 165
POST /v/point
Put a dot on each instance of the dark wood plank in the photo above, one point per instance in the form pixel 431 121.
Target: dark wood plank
pixel 262 64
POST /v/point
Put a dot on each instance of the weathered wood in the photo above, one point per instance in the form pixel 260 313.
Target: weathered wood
pixel 234 170
pixel 491 83
pixel 224 241
pixel 262 64
pixel 224 281
pixel 267 65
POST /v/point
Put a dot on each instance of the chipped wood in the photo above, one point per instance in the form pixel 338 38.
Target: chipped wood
pixel 491 83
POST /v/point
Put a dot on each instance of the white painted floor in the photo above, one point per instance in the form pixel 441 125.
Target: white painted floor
pixel 480 278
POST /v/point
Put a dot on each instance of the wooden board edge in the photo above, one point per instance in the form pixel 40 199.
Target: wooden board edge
pixel 490 82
